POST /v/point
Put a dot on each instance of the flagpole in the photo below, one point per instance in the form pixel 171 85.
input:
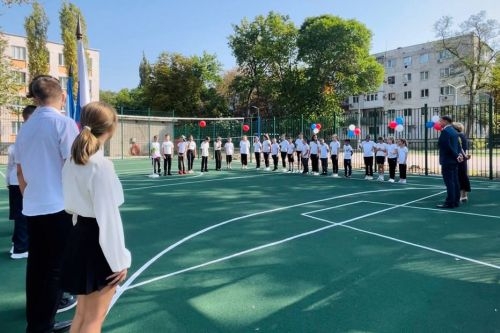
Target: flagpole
pixel 83 97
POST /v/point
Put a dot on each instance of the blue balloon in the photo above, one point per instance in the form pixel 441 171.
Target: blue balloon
pixel 399 120
pixel 429 124
pixel 313 126
pixel 350 134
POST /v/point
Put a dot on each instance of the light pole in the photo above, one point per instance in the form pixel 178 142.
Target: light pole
pixel 258 119
pixel 456 91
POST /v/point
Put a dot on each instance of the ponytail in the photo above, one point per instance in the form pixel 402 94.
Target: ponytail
pixel 85 145
pixel 97 118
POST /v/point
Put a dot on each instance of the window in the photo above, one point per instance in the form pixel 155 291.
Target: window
pixel 407 61
pixel 446 72
pixel 391 79
pixel 64 82
pixel 424 75
pixel 16 125
pixel 424 93
pixel 18 53
pixel 60 61
pixel 407 77
pixel 392 96
pixel 355 99
pixel 380 60
pixel 371 97
pixel 20 77
pixel 424 58
pixel 447 90
pixel 391 113
pixel 444 54
pixel 407 94
pixel 391 63
pixel 407 112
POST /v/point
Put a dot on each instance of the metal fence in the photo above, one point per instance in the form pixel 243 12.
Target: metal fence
pixel 137 128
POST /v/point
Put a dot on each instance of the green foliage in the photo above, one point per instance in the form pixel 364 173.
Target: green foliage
pixel 306 71
pixel 473 57
pixel 68 18
pixel 144 71
pixel 36 26
pixel 8 84
pixel 184 85
pixel 128 99
pixel 338 63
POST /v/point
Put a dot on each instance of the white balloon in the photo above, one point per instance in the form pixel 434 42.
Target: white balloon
pixel 352 127
pixel 315 131
pixel 399 128
pixel 435 119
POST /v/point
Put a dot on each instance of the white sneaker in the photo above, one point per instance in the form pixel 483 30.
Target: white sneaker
pixel 380 178
pixel 367 177
pixel 336 175
pixel 402 181
pixel 267 169
pixel 11 250
pixel 19 255
pixel 391 180
pixel 370 177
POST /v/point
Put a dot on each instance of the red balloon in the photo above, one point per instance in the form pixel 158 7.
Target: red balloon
pixel 393 124
pixel 203 123
pixel 246 128
pixel 318 126
pixel 357 131
pixel 437 126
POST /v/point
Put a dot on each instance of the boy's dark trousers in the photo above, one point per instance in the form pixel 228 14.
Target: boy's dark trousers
pixel 167 164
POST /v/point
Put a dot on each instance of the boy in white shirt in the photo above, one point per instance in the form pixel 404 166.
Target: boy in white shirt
pixel 283 149
pixel 402 158
pixel 323 155
pixel 257 149
pixel 380 149
pixel 306 153
pixel 229 150
pixel 244 151
pixel 190 153
pixel 347 158
pixel 181 151
pixel 167 148
pixel 155 155
pixel 298 151
pixel 266 150
pixel 314 150
pixel 290 150
pixel 392 158
pixel 205 147
pixel 368 146
pixel 218 153
pixel 334 153
pixel 275 148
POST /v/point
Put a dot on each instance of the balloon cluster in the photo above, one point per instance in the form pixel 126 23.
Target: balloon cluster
pixel 397 124
pixel 315 128
pixel 434 123
pixel 246 128
pixel 353 130
pixel 202 123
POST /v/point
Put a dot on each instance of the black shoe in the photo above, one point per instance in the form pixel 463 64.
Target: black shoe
pixel 66 303
pixel 445 206
pixel 169 174
pixel 62 326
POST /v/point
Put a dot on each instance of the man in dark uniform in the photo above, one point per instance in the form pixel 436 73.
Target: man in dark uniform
pixel 449 156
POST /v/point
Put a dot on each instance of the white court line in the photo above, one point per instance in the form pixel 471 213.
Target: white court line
pixel 454 255
pixel 423 247
pixel 454 211
pixel 270 244
pixel 137 273
pixel 189 182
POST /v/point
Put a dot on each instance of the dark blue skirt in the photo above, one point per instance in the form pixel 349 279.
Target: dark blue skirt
pixel 85 268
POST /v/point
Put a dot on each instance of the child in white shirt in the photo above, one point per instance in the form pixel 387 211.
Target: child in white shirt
pixel 347 158
pixel 402 159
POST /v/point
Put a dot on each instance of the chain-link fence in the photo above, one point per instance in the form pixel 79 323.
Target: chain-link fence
pixel 137 128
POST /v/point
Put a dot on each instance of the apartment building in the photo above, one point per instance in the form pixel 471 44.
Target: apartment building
pixel 17 52
pixel 414 76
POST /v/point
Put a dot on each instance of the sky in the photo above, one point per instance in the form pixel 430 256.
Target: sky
pixel 122 30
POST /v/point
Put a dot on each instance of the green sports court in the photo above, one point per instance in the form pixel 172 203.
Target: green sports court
pixel 262 251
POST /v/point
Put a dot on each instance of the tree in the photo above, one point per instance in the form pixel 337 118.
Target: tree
pixel 9 85
pixel 68 18
pixel 265 52
pixel 36 26
pixel 472 49
pixel 338 63
pixel 144 71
